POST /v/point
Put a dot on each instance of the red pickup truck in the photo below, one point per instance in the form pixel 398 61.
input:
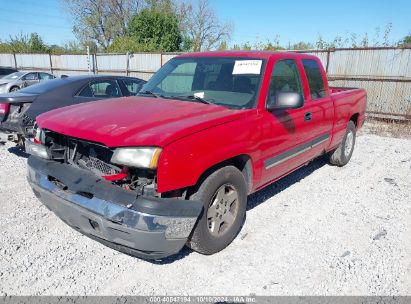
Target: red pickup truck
pixel 173 166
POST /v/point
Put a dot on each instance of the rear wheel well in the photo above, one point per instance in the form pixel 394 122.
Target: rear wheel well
pixel 354 118
pixel 241 162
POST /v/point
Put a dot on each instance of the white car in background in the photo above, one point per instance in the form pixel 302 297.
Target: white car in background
pixel 19 80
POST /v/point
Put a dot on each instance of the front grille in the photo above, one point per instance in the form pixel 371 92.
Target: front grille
pixel 84 154
pixel 27 121
pixel 97 166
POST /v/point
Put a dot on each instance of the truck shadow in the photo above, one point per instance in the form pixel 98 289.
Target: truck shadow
pixel 258 198
pixel 264 194
pixel 18 151
pixel 173 258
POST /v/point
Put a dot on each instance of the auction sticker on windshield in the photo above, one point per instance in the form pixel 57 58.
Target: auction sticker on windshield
pixel 247 67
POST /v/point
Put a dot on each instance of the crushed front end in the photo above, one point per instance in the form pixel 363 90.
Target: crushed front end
pixel 115 205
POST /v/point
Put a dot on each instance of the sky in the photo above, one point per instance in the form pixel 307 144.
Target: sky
pixel 293 21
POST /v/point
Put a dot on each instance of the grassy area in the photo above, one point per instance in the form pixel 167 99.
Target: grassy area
pixel 385 127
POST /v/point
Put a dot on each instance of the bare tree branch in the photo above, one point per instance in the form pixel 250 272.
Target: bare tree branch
pixel 202 25
pixel 101 21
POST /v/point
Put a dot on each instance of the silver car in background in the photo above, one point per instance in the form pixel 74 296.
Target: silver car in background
pixel 19 80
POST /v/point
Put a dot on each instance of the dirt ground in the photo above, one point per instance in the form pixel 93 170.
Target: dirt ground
pixel 323 230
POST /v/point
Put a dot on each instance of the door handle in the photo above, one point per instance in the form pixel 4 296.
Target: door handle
pixel 308 116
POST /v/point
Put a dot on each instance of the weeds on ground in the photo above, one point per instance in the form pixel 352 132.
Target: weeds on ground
pixel 385 127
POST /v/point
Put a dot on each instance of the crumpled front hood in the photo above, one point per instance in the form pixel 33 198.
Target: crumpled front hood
pixel 136 121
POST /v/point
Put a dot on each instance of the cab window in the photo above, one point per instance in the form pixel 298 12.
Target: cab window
pixel 315 78
pixel 101 89
pixel 133 86
pixel 30 76
pixel 285 78
pixel 45 76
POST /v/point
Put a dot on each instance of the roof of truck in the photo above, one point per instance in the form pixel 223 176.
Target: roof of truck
pixel 250 54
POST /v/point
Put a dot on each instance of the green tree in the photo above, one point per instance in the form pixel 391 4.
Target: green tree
pixel 406 41
pixel 223 46
pixel 18 44
pixel 21 43
pixel 153 30
pixel 187 44
pixel 302 46
pixel 37 45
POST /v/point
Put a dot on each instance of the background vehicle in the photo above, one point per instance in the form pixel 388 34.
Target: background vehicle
pixel 18 80
pixel 6 71
pixel 18 110
pixel 174 165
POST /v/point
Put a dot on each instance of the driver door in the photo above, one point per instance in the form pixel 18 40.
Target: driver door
pixel 287 134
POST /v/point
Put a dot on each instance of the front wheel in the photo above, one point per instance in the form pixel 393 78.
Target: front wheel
pixel 14 89
pixel 224 196
pixel 342 155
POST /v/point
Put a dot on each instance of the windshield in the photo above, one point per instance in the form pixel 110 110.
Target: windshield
pixel 226 81
pixel 15 75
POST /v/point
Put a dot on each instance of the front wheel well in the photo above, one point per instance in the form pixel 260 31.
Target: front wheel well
pixel 241 162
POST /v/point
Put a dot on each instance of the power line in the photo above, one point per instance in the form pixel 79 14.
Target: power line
pixel 31 13
pixel 42 4
pixel 49 26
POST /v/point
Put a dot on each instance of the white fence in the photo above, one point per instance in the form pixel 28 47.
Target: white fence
pixel 142 65
pixel 384 72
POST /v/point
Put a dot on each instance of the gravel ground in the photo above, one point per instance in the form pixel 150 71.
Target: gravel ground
pixel 321 231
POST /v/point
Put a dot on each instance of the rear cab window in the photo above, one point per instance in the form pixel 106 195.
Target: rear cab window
pixel 315 78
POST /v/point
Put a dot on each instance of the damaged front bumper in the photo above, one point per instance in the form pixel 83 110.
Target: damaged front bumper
pixel 146 227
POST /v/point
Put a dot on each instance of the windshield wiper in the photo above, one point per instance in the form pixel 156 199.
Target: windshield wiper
pixel 150 93
pixel 192 97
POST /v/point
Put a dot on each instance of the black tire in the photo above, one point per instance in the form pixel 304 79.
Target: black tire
pixel 21 142
pixel 342 155
pixel 202 238
pixel 14 89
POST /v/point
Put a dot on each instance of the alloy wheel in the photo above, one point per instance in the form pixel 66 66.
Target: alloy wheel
pixel 222 210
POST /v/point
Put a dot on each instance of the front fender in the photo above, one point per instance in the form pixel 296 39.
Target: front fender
pixel 183 162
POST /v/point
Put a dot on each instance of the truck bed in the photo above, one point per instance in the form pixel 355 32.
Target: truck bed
pixel 334 90
pixel 347 101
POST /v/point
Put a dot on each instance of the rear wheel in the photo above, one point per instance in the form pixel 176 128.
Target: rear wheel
pixel 224 196
pixel 14 89
pixel 342 155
